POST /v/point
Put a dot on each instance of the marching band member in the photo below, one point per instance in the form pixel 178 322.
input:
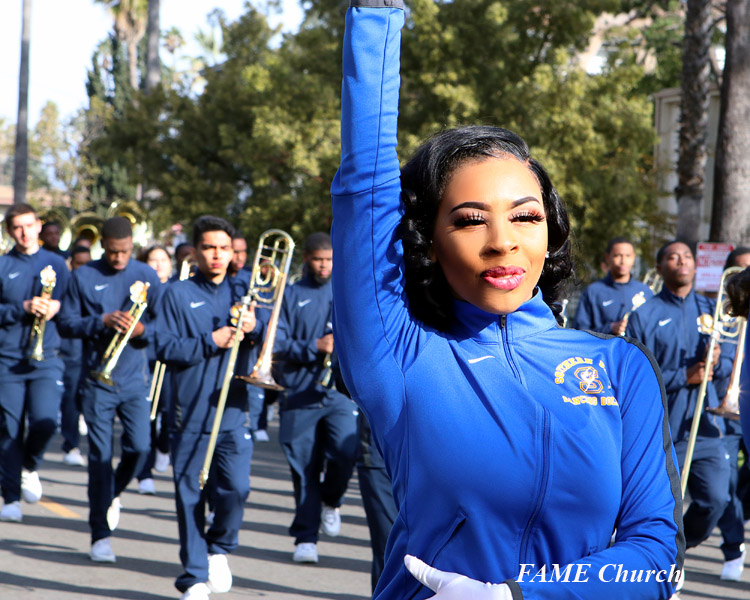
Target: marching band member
pixel 96 308
pixel 317 424
pixel 668 326
pixel 194 335
pixel 513 444
pixel 31 389
pixel 71 351
pixel 606 304
pixel 50 238
pixel 732 522
pixel 157 257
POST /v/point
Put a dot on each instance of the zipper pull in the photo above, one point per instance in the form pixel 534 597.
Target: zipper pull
pixel 503 319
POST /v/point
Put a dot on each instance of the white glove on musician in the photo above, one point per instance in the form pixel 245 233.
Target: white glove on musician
pixel 452 586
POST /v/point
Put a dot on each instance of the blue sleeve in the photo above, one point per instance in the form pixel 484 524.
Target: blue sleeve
pixel 674 379
pixel 174 343
pixel 11 312
pixel 649 527
pixel 71 322
pixel 371 322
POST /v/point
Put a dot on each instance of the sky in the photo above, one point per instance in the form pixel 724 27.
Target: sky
pixel 62 43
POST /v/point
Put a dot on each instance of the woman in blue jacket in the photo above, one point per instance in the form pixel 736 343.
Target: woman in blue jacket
pixel 516 448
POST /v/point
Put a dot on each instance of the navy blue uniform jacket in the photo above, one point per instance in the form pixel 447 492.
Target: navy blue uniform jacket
pixel 668 326
pixel 305 317
pixel 19 281
pixel 191 311
pixel 605 301
pixel 97 289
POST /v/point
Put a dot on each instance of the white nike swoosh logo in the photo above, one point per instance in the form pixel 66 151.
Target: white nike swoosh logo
pixel 607 302
pixel 304 302
pixel 14 275
pixel 481 358
pixel 197 304
pixel 664 322
pixel 99 288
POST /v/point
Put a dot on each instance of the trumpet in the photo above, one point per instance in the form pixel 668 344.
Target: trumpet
pixel 653 280
pixel 270 269
pixel 636 302
pixel 138 294
pixel 36 349
pixel 267 283
pixel 721 327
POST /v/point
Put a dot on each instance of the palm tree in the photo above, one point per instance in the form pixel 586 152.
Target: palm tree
pixel 153 64
pixel 696 66
pixel 131 19
pixel 20 171
pixel 730 219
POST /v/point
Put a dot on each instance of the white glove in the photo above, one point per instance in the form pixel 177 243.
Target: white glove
pixel 452 586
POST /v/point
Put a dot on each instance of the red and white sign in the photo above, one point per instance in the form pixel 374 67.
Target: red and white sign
pixel 709 265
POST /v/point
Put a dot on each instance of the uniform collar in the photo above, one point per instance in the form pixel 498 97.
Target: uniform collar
pixel 612 283
pixel 671 298
pixel 201 281
pixel 533 316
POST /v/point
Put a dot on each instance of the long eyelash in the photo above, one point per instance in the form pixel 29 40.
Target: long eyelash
pixel 474 218
pixel 533 217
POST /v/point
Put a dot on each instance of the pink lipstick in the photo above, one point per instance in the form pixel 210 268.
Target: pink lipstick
pixel 504 278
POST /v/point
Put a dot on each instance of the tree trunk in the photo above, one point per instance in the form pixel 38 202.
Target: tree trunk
pixel 730 218
pixel 132 46
pixel 693 119
pixel 21 159
pixel 153 64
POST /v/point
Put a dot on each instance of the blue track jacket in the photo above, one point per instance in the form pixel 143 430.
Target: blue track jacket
pixel 305 317
pixel 97 289
pixel 605 301
pixel 745 394
pixel 19 281
pixel 668 326
pixel 191 310
pixel 512 444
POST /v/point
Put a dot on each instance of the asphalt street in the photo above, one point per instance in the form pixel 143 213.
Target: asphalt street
pixel 46 556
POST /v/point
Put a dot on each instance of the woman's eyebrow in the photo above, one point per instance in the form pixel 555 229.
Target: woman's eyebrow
pixel 478 205
pixel 524 200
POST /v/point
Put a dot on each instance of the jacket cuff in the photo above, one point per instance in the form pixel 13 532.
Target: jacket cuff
pixel 515 589
pixel 377 4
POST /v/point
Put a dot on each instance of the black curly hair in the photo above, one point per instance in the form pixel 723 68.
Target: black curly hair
pixel 423 181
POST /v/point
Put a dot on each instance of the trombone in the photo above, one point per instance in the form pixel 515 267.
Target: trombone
pixel 36 349
pixel 721 327
pixel 267 283
pixel 270 269
pixel 138 293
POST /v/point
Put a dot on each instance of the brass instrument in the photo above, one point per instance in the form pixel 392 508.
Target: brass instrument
pixel 653 280
pixel 186 268
pixel 270 269
pixel 86 225
pixel 59 215
pixel 36 349
pixel 637 301
pixel 730 405
pixel 267 283
pixel 238 312
pixel 720 327
pixel 325 377
pixel 563 314
pixel 138 295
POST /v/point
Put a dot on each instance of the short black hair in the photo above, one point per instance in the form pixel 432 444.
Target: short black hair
pixel 238 236
pixel 48 224
pixel 732 256
pixel 210 223
pixel 663 250
pixel 424 180
pixel 16 210
pixel 318 241
pixel 117 228
pixel 80 250
pixel 617 240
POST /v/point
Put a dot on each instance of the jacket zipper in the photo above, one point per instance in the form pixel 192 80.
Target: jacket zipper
pixel 542 487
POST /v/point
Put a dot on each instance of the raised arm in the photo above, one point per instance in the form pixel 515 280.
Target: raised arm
pixel 371 322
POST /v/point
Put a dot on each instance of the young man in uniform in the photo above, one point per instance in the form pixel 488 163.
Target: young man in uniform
pixel 668 325
pixel 318 424
pixel 195 338
pixel 606 304
pixel 31 389
pixel 71 352
pixel 97 308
